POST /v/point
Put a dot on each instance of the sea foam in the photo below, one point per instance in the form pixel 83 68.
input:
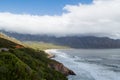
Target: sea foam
pixel 84 70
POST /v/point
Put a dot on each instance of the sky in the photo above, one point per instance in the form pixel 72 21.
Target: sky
pixel 61 17
pixel 38 7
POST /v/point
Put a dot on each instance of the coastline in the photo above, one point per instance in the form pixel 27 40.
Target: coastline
pixel 50 55
pixel 58 66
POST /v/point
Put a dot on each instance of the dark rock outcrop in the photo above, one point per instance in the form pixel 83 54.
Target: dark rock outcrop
pixel 61 68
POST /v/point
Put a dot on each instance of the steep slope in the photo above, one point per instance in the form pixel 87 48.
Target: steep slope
pixel 10 39
pixel 27 64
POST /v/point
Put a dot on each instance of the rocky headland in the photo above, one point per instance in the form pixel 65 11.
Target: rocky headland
pixel 59 66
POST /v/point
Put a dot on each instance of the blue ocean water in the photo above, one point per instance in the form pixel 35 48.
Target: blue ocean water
pixel 90 64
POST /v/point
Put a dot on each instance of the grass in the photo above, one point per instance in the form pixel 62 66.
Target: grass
pixel 43 46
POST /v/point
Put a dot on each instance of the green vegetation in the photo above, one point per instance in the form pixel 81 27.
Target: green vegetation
pixel 12 68
pixel 25 64
pixel 43 46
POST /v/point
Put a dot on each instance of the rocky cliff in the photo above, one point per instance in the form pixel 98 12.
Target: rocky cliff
pixel 61 68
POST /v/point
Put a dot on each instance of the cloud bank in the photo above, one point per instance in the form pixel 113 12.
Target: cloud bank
pixel 101 18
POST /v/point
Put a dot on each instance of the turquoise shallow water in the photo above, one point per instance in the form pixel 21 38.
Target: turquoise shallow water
pixel 90 64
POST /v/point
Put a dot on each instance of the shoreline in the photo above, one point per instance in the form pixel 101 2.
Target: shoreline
pixel 58 66
pixel 50 55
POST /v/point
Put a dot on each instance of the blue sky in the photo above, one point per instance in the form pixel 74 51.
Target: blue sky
pixel 42 7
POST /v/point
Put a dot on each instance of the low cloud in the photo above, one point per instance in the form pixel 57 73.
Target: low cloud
pixel 101 18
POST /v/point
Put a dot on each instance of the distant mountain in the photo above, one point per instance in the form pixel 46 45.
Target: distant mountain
pixel 71 41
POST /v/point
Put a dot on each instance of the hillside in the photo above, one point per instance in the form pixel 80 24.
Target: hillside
pixel 71 41
pixel 22 63
pixel 7 42
pixel 43 46
pixel 3 36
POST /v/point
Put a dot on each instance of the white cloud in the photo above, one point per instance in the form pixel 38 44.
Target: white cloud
pixel 101 18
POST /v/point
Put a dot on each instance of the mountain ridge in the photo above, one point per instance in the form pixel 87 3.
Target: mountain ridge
pixel 71 41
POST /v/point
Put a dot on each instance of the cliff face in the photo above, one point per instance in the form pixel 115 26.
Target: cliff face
pixel 61 68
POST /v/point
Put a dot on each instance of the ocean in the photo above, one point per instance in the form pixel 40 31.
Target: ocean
pixel 90 64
